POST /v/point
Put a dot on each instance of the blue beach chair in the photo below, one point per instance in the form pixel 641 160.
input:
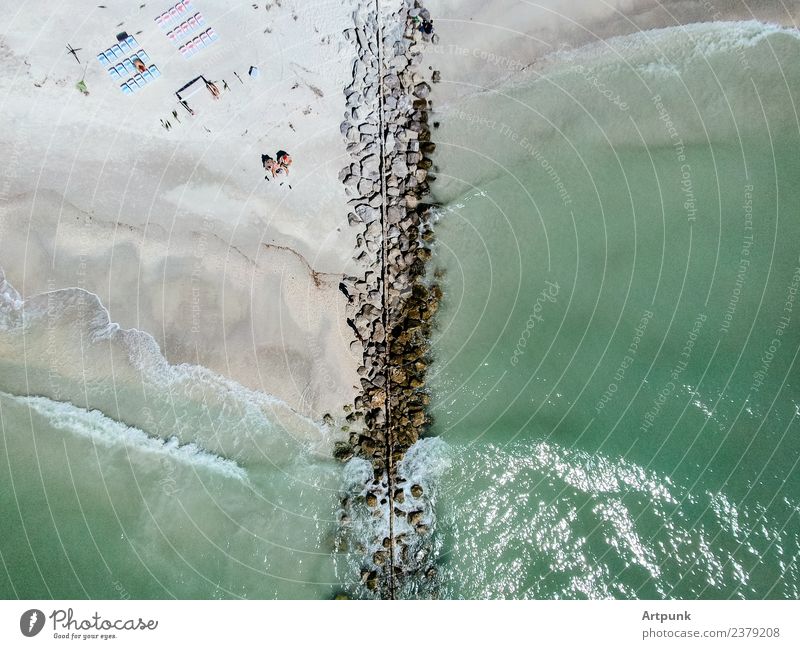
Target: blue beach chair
pixel 154 71
pixel 102 58
pixel 126 89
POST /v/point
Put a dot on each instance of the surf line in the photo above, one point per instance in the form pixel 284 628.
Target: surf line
pixel 390 306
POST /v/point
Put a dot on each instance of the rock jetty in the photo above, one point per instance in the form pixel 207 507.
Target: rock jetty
pixel 390 306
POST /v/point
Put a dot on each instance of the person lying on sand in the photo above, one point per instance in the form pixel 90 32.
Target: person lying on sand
pixel 212 88
pixel 284 159
pixel 284 162
pixel 269 164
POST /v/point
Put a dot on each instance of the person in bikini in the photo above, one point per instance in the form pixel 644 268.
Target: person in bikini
pixel 269 164
pixel 277 168
pixel 284 162
pixel 284 159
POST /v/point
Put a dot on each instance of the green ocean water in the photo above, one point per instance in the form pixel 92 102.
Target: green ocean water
pixel 616 356
pixel 125 477
pixel 614 386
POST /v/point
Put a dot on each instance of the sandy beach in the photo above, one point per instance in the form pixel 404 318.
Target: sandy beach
pixel 177 230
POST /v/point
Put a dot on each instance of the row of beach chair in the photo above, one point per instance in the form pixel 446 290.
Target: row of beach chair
pixel 199 43
pixel 183 20
pixel 125 69
pixel 194 23
pixel 118 51
pixel 138 81
pixel 175 14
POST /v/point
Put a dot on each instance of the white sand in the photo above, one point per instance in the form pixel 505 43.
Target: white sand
pixel 178 232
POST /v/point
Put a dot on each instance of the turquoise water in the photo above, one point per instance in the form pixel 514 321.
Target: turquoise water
pixel 126 477
pixel 614 388
pixel 616 355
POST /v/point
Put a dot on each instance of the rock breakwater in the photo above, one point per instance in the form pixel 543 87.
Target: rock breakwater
pixel 390 306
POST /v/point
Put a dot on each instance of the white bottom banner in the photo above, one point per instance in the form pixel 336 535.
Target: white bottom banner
pixel 352 624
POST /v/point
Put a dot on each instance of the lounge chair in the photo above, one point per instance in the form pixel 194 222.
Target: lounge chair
pixel 102 58
pixel 154 71
pixel 126 90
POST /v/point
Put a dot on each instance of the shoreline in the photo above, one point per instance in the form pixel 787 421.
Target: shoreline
pixel 177 231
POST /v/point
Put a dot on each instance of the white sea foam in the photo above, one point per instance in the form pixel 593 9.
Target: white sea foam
pixel 73 352
pixel 676 48
pixel 108 433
